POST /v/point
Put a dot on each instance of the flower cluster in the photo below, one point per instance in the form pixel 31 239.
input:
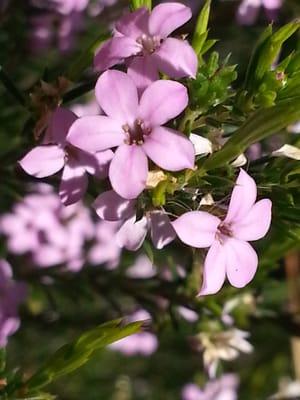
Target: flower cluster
pixel 138 135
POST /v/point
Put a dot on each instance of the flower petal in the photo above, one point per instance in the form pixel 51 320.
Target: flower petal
pixel 162 101
pixel 165 18
pixel 162 231
pixel 112 207
pixel 196 228
pixel 202 145
pixel 242 198
pixel 169 149
pixel 256 223
pixel 114 51
pixel 59 125
pixel 73 184
pixel 95 163
pixel 214 270
pixel 117 96
pixel 43 161
pixel 95 133
pixel 177 59
pixel 241 262
pixel 128 171
pixel 132 233
pixel 134 24
pixel 143 71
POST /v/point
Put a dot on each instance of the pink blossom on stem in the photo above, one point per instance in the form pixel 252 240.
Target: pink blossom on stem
pixel 142 37
pixel 248 10
pixel 230 254
pixel 132 233
pixel 12 294
pixel 135 127
pixel 56 153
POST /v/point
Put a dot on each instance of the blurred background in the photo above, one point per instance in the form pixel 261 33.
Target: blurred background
pixel 44 39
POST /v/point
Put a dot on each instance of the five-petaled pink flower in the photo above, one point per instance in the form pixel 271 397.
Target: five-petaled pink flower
pixel 133 125
pixel 56 153
pixel 142 37
pixel 230 253
pixel 111 207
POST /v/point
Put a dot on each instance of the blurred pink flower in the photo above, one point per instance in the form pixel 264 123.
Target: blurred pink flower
pixel 56 153
pixel 144 343
pixel 224 388
pixel 230 253
pixel 12 294
pixel 135 127
pixel 50 233
pixel 142 37
pixel 248 10
pixel 105 249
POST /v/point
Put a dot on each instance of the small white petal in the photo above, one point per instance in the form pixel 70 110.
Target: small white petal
pixel 202 145
pixel 207 200
pixel 239 161
pixel 289 151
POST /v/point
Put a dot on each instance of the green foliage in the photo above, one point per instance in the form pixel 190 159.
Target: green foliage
pixel 135 4
pixel 212 84
pixel 201 32
pixel 74 355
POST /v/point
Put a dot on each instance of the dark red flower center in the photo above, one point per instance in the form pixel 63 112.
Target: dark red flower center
pixel 136 133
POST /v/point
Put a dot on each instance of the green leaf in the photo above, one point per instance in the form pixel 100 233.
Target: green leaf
pixel 135 4
pixel 260 125
pixel 201 32
pixel 74 355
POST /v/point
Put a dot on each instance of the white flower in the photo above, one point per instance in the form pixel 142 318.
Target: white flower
pixel 289 151
pixel 202 145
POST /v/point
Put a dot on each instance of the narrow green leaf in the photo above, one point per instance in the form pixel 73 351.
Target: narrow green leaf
pixel 200 33
pixel 74 355
pixel 259 126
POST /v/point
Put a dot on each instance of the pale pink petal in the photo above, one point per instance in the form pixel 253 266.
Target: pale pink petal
pixel 242 198
pixel 132 233
pixel 43 161
pixel 112 207
pixel 73 184
pixel 128 171
pixel 162 231
pixel 114 51
pixel 134 24
pixel 94 163
pixel 162 101
pixel 241 262
pixel 143 71
pixel 214 270
pixel 117 95
pixel 169 149
pixel 177 59
pixel 165 18
pixel 196 228
pixel 95 133
pixel 256 223
pixel 59 125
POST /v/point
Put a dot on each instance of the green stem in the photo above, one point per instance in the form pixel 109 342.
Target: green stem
pixel 11 87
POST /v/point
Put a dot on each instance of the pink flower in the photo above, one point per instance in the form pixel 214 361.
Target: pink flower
pixel 144 343
pixel 131 235
pixel 230 253
pixel 134 127
pixel 56 153
pixel 12 294
pixel 68 6
pixel 248 10
pixel 143 37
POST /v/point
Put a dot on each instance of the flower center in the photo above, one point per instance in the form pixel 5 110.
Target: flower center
pixel 223 232
pixel 136 133
pixel 149 43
